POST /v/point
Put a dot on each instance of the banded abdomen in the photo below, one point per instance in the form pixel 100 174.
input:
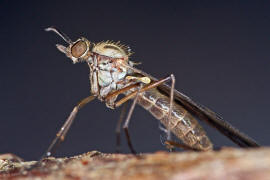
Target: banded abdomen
pixel 182 124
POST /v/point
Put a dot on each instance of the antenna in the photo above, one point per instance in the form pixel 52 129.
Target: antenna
pixel 61 34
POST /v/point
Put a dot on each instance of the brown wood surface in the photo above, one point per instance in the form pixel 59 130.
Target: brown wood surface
pixel 228 163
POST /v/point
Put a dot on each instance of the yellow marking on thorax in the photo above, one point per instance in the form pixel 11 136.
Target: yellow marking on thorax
pixel 145 80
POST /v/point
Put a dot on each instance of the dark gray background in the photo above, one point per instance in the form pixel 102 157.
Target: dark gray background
pixel 218 51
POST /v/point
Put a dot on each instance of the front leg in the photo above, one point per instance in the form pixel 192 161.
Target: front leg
pixel 60 136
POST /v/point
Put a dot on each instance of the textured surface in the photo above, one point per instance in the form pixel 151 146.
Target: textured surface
pixel 225 164
pixel 182 123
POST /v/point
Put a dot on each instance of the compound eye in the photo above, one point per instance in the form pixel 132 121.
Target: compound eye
pixel 78 49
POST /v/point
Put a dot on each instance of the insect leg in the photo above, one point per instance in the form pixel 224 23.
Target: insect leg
pixel 171 105
pixel 120 91
pixel 135 94
pixel 60 136
pixel 118 128
pixel 125 127
pixel 144 88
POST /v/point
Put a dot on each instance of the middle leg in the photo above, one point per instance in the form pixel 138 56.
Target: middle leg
pixel 118 128
pixel 125 127
pixel 136 94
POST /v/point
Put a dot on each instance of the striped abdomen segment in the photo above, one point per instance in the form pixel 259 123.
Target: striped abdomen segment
pixel 182 124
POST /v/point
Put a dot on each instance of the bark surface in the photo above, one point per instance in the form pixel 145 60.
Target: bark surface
pixel 228 163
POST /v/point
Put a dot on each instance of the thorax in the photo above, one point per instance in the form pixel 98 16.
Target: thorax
pixel 107 74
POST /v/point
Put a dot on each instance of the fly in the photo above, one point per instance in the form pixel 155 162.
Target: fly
pixel 112 73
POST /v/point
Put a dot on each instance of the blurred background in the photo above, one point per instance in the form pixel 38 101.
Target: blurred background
pixel 218 51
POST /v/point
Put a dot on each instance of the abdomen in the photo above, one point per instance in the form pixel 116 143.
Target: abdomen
pixel 182 124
